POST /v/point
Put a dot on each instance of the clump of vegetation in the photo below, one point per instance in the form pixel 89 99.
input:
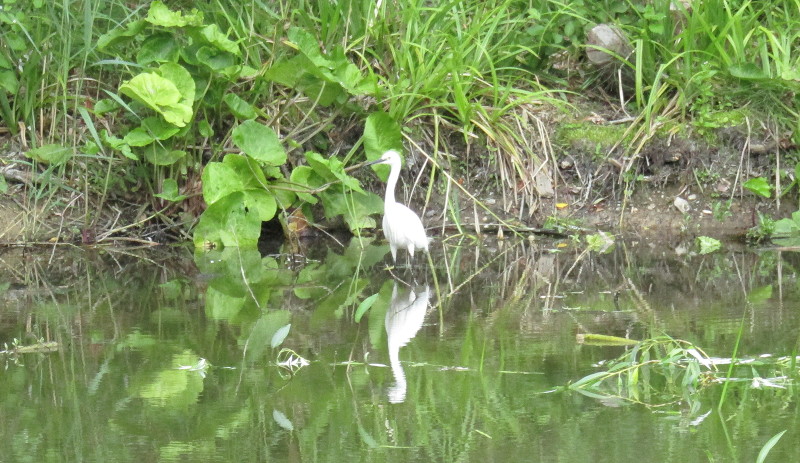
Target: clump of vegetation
pixel 258 108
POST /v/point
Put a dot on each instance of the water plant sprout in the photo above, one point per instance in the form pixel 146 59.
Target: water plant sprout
pixel 401 226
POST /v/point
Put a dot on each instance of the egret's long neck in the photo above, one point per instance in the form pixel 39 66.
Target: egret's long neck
pixel 391 183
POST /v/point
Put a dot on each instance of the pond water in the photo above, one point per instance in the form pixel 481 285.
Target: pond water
pixel 162 355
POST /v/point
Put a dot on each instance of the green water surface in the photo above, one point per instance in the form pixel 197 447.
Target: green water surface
pixel 161 355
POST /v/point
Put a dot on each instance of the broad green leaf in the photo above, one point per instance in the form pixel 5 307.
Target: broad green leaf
pixel 259 142
pixel 787 230
pixel 349 76
pixel 215 59
pixel 160 155
pixel 160 15
pixel 381 133
pixel 288 72
pixel 118 144
pixel 600 242
pixel 105 105
pixel 283 192
pixel 8 81
pixel 219 180
pixel 240 108
pixel 357 209
pixel 182 79
pixel 159 94
pixel 708 245
pixel 364 306
pixel 228 222
pixel 179 114
pixel 261 203
pixel 159 129
pixel 759 186
pixel 205 129
pixel 158 48
pixel 138 137
pixel 747 71
pixel 170 192
pixel 234 174
pixel 280 335
pixel 3 185
pixel 321 165
pixel 51 154
pixel 305 177
pixel 360 214
pixel 215 37
pixel 306 44
pixel 119 34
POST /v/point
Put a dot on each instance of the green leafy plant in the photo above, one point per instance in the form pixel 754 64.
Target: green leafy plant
pixel 708 245
pixel 656 372
pixel 759 186
pixel 786 231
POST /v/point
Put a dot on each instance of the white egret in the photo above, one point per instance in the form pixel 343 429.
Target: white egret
pixel 401 226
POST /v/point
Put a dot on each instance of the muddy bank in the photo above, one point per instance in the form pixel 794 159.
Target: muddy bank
pixel 672 183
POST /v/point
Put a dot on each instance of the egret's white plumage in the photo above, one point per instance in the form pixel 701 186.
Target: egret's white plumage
pixel 401 226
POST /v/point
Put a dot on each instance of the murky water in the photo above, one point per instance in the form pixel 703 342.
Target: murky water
pixel 143 355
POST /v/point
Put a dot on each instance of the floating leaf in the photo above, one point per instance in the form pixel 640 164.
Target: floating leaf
pixel 264 332
pixel 601 242
pixel 604 340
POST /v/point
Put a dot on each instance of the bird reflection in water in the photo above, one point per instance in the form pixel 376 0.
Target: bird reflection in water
pixel 403 320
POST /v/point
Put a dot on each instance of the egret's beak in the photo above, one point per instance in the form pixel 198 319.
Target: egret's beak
pixel 369 163
pixel 363 164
